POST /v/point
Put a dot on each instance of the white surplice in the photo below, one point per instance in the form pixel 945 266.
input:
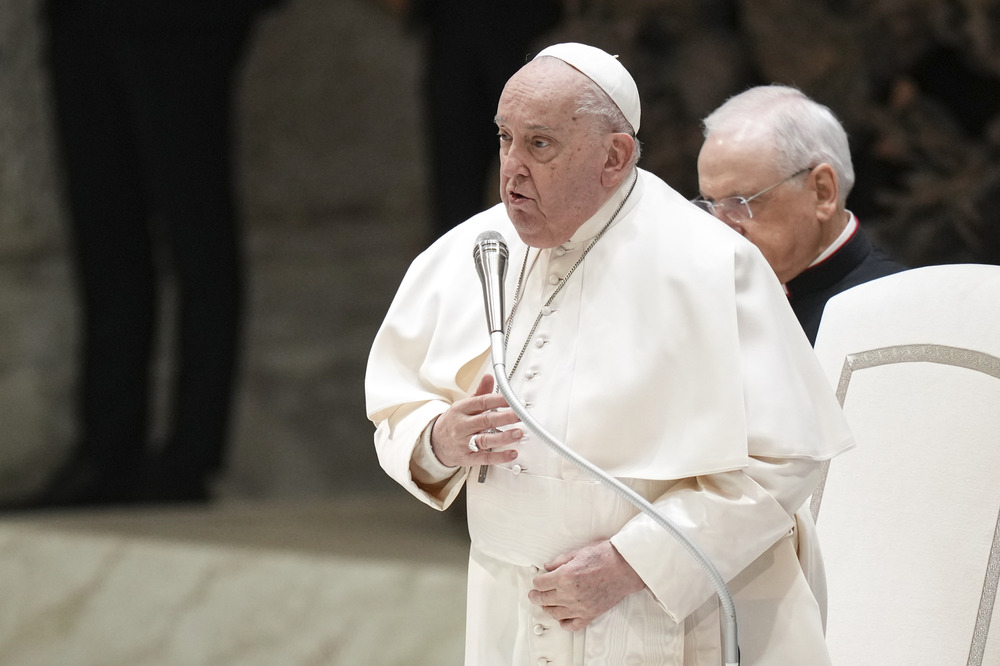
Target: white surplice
pixel 671 359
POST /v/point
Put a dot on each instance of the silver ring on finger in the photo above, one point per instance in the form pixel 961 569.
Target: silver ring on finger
pixel 472 444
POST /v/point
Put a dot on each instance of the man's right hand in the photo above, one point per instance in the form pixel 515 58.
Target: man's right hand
pixel 475 419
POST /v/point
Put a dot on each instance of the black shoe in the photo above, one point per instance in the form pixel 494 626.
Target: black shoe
pixel 82 483
pixel 166 482
pixel 176 491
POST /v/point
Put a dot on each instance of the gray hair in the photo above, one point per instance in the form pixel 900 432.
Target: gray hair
pixel 610 119
pixel 594 101
pixel 805 132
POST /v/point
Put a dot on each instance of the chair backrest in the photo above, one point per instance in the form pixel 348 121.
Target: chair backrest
pixel 909 520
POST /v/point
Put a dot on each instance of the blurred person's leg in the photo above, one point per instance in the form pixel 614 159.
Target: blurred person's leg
pixel 461 103
pixel 184 108
pixel 473 48
pixel 114 266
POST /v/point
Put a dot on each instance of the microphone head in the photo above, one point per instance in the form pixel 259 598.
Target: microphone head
pixel 490 255
pixel 489 241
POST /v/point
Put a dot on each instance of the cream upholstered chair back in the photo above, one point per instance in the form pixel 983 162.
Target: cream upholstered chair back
pixel 909 519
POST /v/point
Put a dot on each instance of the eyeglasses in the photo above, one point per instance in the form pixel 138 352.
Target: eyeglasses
pixel 737 209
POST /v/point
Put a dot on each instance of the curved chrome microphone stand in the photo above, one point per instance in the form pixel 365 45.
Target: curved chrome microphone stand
pixel 490 255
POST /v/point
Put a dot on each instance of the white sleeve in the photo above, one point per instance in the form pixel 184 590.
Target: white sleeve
pixel 733 517
pixel 402 442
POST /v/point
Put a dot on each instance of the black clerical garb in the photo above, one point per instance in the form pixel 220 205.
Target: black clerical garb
pixel 856 262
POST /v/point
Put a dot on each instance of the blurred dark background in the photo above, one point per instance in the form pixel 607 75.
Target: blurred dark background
pixel 333 167
pixel 915 82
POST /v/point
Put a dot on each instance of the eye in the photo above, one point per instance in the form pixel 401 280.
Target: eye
pixel 503 136
pixel 540 143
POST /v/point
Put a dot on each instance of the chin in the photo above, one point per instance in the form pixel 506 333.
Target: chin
pixel 531 234
pixel 522 221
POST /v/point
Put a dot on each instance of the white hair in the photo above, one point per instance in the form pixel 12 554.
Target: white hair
pixel 805 133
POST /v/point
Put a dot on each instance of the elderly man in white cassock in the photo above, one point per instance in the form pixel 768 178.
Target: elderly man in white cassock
pixel 656 344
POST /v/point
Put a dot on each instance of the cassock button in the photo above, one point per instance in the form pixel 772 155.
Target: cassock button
pixel 546 310
pixel 542 661
pixel 517 469
pixel 553 279
pixel 539 343
pixel 540 629
pixel 560 251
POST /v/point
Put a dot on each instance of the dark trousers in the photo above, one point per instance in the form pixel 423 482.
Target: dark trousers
pixel 143 118
pixel 473 48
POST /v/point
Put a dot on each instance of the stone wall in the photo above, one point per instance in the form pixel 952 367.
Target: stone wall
pixel 37 315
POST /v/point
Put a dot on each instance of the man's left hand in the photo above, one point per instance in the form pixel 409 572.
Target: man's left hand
pixel 581 586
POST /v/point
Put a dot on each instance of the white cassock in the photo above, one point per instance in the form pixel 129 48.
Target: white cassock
pixel 671 359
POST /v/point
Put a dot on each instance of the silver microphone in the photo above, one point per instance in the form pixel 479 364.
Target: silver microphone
pixel 490 255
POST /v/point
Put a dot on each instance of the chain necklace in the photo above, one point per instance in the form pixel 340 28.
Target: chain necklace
pixel 520 283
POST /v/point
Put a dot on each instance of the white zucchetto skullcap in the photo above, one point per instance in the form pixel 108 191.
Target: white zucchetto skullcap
pixel 604 70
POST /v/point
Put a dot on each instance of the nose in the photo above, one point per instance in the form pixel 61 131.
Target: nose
pixel 732 224
pixel 721 214
pixel 511 163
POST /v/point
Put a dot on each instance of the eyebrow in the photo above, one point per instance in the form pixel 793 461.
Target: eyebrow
pixel 500 120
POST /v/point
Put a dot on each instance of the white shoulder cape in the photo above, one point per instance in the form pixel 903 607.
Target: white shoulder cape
pixel 692 357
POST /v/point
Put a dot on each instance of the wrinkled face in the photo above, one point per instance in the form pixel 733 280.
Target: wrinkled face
pixel 550 158
pixel 784 226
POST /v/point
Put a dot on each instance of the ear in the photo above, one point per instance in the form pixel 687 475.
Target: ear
pixel 827 189
pixel 620 149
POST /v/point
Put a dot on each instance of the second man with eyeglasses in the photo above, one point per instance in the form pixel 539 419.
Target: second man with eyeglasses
pixel 776 167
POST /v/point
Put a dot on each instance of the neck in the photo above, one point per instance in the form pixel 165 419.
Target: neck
pixel 607 211
pixel 841 235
